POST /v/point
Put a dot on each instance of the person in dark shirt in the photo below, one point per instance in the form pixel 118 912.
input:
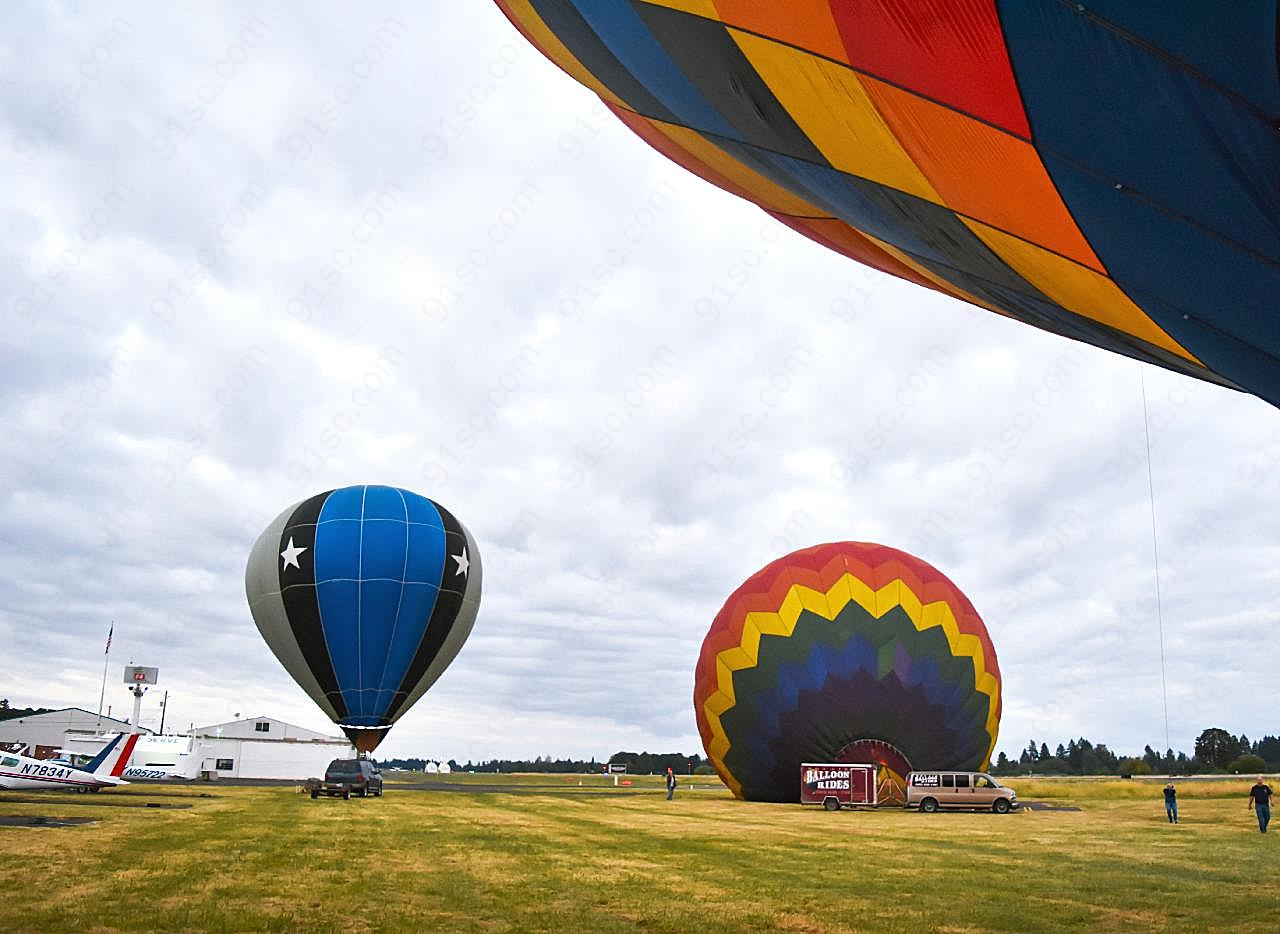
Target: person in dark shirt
pixel 671 783
pixel 1171 803
pixel 1260 801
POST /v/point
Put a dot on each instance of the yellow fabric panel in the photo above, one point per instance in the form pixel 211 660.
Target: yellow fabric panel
pixel 815 602
pixel 887 597
pixel 767 194
pixel 1076 288
pixel 556 50
pixel 829 103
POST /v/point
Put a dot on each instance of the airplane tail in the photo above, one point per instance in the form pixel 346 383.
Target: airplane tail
pixel 108 764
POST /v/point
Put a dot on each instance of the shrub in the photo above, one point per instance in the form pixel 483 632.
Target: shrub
pixel 1247 763
pixel 1133 767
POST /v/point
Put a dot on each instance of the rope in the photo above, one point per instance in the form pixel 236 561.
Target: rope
pixel 1155 554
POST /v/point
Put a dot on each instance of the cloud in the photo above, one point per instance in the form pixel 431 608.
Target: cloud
pixel 277 254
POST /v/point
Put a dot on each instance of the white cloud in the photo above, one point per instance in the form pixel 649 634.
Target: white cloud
pixel 633 388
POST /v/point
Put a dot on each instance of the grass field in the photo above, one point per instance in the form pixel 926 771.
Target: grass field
pixel 551 854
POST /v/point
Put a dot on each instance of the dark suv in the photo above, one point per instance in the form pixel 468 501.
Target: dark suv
pixel 346 777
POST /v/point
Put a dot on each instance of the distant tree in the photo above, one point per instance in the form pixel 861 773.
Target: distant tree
pixel 1044 752
pixel 4 703
pixel 1215 748
pixel 1268 748
pixel 1151 758
pixel 1051 765
pixel 704 769
pixel 1062 752
pixel 1133 767
pixel 1003 765
pixel 1242 765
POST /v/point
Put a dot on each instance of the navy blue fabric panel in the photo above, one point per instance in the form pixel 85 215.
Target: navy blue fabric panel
pixel 563 19
pixel 1232 41
pixel 1228 297
pixel 1130 117
pixel 629 40
pixel 1253 370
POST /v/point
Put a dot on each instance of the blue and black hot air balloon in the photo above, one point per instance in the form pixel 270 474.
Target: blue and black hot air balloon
pixel 365 594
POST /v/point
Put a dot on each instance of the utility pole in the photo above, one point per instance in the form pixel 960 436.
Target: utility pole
pixel 164 708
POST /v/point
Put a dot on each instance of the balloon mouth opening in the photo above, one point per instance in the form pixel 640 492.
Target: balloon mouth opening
pixel 365 738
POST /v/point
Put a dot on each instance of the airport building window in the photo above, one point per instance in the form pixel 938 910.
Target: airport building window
pixel 262 727
pixel 225 765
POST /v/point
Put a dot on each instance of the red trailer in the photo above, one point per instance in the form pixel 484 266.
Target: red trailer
pixel 837 784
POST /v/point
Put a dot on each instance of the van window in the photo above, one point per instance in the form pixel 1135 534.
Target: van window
pixel 948 781
pixel 962 781
pixel 926 780
pixel 983 782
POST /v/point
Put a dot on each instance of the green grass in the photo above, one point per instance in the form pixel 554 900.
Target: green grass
pixel 544 859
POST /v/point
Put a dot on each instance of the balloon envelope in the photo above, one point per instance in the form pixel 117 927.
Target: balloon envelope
pixel 1107 171
pixel 365 594
pixel 847 652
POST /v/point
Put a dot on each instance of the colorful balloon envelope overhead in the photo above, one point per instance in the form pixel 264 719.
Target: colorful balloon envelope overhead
pixel 846 652
pixel 1107 171
pixel 365 594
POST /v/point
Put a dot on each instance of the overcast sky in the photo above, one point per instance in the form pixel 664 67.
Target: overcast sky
pixel 249 254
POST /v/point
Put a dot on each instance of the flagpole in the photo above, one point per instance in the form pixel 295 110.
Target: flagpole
pixel 106 660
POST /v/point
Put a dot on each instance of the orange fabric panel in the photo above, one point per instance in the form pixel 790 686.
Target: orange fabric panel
pixel 807 24
pixel 983 172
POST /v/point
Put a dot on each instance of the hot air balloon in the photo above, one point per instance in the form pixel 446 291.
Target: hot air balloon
pixel 846 652
pixel 1107 171
pixel 365 594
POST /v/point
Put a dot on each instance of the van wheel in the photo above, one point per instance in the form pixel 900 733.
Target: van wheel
pixel 1000 806
pixel 314 795
pixel 346 794
pixel 929 805
pixel 831 804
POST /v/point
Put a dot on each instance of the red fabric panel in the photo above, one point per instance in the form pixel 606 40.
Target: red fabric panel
pixel 952 51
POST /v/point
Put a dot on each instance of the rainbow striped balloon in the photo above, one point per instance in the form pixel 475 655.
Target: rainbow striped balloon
pixel 845 652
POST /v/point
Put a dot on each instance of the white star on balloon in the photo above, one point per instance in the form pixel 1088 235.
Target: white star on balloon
pixel 290 555
pixel 463 562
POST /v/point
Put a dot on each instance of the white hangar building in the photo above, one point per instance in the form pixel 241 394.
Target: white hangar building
pixel 45 733
pixel 257 747
pixel 263 747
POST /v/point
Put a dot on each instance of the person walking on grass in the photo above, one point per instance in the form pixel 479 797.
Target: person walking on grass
pixel 1260 801
pixel 671 783
pixel 1171 803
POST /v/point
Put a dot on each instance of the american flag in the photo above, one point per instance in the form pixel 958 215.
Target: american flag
pixel 107 650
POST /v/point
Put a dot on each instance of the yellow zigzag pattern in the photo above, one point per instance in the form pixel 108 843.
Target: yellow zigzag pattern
pixel 848 589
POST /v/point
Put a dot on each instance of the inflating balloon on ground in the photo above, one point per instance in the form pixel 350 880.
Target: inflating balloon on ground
pixel 846 652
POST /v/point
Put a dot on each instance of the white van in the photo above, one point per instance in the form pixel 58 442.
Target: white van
pixel 932 791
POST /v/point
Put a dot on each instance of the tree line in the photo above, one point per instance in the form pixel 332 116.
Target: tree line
pixel 637 763
pixel 1216 751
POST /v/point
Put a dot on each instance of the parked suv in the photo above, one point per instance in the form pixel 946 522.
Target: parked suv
pixel 931 791
pixel 347 777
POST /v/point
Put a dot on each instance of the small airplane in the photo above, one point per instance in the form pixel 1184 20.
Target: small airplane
pixel 103 771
